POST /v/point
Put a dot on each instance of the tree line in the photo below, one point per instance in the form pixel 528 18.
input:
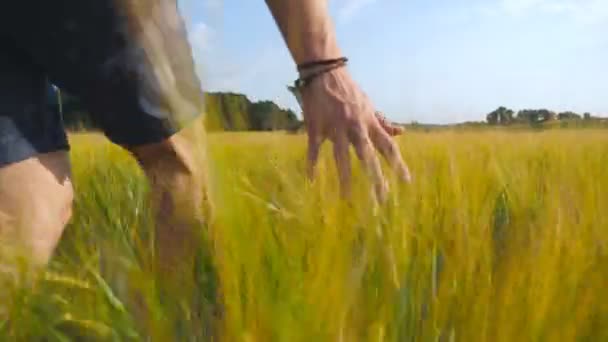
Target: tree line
pixel 224 111
pixel 505 116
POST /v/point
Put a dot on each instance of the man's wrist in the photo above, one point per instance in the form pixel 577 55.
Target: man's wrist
pixel 319 44
pixel 313 67
pixel 308 78
pixel 321 62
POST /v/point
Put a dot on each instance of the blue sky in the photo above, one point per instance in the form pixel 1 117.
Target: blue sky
pixel 425 60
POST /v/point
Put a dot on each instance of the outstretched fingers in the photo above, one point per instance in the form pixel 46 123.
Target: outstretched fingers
pixel 365 152
pixel 314 146
pixel 389 149
pixel 342 158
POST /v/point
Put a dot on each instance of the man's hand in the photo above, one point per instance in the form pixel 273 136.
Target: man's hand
pixel 334 106
pixel 336 109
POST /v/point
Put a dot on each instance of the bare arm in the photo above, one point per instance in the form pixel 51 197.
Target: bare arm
pixel 334 106
pixel 306 28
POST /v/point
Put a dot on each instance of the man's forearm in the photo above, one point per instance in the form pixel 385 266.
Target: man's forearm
pixel 306 28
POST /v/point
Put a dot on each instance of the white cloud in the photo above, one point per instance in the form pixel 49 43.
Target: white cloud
pixel 217 70
pixel 213 4
pixel 200 36
pixel 351 8
pixel 520 6
pixel 202 39
pixel 220 71
pixel 583 11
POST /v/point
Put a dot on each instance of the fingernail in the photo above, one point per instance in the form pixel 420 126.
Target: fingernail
pixel 406 175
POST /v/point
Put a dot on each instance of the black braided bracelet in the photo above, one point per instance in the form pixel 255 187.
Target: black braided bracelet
pixel 311 64
pixel 303 82
pixel 332 64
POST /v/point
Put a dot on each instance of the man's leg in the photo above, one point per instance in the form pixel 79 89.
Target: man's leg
pixel 170 147
pixel 35 186
pixel 174 158
pixel 133 69
pixel 35 205
pixel 175 168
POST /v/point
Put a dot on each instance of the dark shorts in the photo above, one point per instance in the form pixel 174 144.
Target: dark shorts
pixel 132 68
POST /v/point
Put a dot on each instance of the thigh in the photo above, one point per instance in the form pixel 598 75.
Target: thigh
pixel 128 61
pixel 27 125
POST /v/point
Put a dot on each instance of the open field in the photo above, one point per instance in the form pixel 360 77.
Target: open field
pixel 503 236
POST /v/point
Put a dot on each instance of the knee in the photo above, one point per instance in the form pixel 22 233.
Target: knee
pixel 46 226
pixel 175 168
pixel 33 221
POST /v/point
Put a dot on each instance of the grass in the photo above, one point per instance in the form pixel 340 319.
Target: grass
pixel 501 237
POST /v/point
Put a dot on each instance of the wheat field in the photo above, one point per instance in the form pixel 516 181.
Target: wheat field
pixel 502 236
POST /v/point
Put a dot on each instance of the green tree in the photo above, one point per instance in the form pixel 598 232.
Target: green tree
pixel 501 116
pixel 223 112
pixel 568 116
pixel 534 116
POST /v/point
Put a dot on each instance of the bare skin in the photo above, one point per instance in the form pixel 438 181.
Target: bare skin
pixel 335 108
pixel 30 222
pixel 175 169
